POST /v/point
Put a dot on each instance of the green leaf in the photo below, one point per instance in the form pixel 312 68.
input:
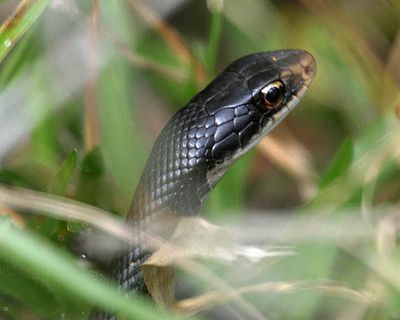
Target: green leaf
pixel 92 165
pixel 340 164
pixel 214 37
pixel 28 175
pixel 120 142
pixel 91 185
pixel 28 292
pixel 64 175
pixel 346 189
pixel 22 56
pixel 121 127
pixel 45 142
pixel 37 257
pixel 27 12
pixel 16 177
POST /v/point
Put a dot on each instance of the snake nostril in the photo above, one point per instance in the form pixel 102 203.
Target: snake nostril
pixel 308 71
pixel 307 61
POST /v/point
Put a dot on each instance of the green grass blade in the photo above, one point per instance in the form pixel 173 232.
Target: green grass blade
pixel 27 251
pixel 64 175
pixel 19 23
pixel 340 164
pixel 215 33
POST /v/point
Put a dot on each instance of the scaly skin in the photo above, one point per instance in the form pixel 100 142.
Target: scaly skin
pixel 201 141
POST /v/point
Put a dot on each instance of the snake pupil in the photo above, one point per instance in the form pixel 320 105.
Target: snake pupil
pixel 273 94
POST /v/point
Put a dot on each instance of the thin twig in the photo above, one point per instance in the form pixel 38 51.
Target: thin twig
pixel 169 34
pixel 172 38
pixel 145 63
pixel 206 301
pixel 91 126
pixel 292 156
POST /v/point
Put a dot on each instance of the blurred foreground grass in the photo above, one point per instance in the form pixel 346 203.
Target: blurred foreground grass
pixel 85 87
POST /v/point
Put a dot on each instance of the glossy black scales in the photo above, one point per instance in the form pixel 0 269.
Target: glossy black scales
pixel 202 140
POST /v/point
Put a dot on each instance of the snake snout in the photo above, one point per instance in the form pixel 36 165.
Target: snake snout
pixel 309 65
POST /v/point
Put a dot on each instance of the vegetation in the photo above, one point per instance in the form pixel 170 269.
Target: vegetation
pixel 86 86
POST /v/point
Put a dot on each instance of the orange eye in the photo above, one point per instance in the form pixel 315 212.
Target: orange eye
pixel 273 94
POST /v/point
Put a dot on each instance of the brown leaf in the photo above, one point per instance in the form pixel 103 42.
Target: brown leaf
pixel 160 283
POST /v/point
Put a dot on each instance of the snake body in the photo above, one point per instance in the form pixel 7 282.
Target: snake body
pixel 201 141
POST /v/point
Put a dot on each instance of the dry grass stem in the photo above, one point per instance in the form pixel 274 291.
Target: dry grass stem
pixel 210 299
pixel 292 156
pixel 91 127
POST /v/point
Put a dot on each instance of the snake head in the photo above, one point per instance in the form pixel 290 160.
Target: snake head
pixel 235 111
pixel 250 97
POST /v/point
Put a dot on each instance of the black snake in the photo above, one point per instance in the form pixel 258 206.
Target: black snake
pixel 201 141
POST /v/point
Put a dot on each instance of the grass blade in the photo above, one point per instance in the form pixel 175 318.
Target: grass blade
pixel 27 251
pixel 27 12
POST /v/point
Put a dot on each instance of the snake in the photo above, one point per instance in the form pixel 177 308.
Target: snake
pixel 200 143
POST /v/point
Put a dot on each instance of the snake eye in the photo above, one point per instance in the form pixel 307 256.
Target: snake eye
pixel 273 94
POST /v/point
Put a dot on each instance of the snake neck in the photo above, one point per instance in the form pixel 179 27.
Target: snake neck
pixel 175 177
